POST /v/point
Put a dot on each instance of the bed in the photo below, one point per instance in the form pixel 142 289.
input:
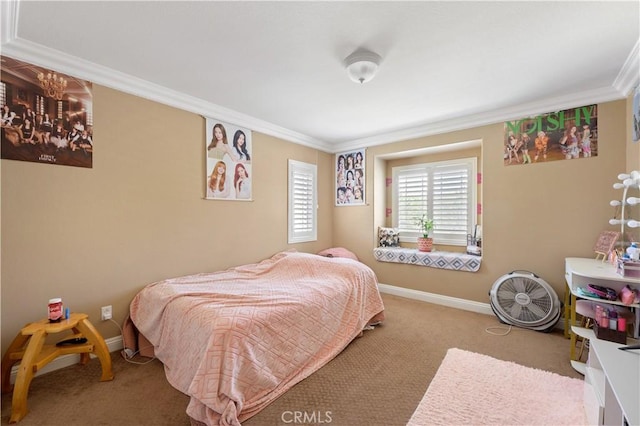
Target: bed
pixel 236 340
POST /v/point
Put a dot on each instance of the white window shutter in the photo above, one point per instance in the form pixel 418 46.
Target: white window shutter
pixel 412 197
pixel 303 201
pixel 445 191
pixel 452 201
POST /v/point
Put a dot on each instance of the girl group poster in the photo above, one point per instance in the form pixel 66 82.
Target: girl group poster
pixel 228 154
pixel 562 135
pixel 46 116
pixel 350 178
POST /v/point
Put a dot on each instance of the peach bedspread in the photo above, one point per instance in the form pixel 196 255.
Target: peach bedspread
pixel 235 340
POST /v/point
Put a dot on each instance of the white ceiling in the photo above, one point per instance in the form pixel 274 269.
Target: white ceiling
pixel 277 67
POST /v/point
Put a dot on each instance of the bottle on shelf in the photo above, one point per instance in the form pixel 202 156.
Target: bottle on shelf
pixel 613 320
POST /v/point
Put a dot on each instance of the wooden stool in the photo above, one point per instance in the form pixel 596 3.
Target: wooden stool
pixel 29 349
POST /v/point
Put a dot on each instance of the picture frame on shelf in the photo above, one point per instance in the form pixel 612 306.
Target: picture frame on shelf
pixel 605 244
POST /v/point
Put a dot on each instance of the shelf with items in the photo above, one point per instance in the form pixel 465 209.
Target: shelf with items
pixel 580 272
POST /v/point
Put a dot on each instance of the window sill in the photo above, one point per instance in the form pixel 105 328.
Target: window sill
pixel 434 259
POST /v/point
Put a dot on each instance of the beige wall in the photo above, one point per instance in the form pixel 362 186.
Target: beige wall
pixel 533 217
pixel 96 236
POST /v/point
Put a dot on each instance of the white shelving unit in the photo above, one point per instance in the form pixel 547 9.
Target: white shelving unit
pixel 579 272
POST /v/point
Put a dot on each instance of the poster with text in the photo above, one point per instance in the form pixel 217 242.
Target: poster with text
pixel 229 157
pixel 562 135
pixel 350 178
pixel 47 117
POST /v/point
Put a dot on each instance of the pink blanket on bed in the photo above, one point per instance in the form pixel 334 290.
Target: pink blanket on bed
pixel 235 340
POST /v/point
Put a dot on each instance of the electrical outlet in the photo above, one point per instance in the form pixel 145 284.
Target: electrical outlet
pixel 106 313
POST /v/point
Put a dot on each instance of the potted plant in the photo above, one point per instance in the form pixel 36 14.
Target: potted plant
pixel 425 243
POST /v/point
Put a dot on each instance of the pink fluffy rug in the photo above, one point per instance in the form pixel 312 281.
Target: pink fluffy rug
pixel 475 389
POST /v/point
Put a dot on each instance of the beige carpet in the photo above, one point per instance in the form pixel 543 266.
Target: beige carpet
pixel 475 389
pixel 379 379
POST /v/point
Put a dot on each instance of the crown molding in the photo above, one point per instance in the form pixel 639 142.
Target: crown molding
pixel 629 76
pixel 604 94
pixel 37 54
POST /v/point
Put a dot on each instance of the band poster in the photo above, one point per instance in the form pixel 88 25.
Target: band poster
pixel 563 135
pixel 47 117
pixel 228 154
pixel 350 178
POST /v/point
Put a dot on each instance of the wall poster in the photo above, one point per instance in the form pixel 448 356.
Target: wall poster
pixel 561 135
pixel 228 154
pixel 350 178
pixel 46 116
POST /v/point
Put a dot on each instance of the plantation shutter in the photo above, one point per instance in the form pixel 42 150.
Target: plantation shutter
pixel 412 198
pixel 444 191
pixel 302 202
pixel 451 201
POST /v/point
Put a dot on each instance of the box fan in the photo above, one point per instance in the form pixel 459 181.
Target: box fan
pixel 523 299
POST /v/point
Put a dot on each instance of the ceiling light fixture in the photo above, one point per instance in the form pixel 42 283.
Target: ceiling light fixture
pixel 362 65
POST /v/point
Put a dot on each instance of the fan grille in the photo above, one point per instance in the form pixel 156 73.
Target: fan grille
pixel 524 300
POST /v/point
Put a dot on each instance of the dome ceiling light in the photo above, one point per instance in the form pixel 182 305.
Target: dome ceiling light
pixel 362 65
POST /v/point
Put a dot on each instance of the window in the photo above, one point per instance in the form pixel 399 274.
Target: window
pixel 303 202
pixel 445 191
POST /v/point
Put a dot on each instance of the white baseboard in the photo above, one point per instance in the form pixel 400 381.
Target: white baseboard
pixel 438 299
pixel 113 343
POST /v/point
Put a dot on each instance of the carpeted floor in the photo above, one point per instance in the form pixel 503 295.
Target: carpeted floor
pixel 379 379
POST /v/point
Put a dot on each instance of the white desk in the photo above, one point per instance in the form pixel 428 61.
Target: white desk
pixel 582 271
pixel 612 382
